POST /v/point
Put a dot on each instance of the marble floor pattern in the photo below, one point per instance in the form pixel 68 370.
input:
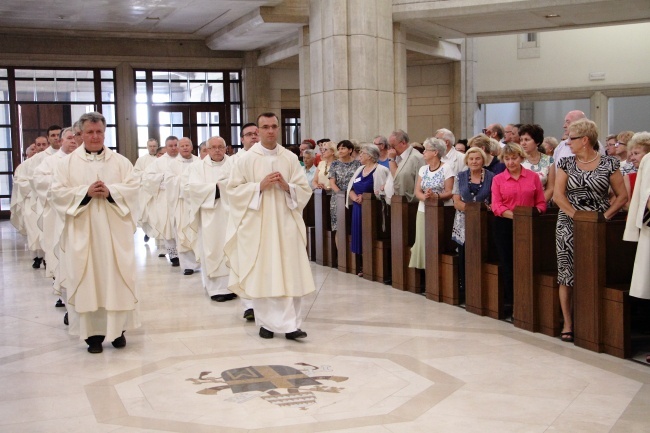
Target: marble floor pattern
pixel 376 360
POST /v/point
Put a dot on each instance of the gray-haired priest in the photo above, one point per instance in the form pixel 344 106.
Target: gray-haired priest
pixel 95 193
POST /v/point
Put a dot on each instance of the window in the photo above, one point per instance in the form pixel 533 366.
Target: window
pixel 194 104
pixel 32 99
pixel 291 127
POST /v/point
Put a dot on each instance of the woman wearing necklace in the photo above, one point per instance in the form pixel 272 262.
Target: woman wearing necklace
pixel 582 183
pixel 484 143
pixel 531 138
pixel 340 173
pixel 471 185
pixel 517 186
pixel 322 177
pixel 435 179
pixel 369 177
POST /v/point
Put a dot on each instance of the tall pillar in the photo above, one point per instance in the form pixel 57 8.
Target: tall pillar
pixel 399 51
pixel 599 113
pixel 255 88
pixel 526 112
pixel 465 111
pixel 304 69
pixel 127 134
pixel 351 90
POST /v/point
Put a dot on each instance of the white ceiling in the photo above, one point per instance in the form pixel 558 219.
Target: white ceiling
pixel 256 24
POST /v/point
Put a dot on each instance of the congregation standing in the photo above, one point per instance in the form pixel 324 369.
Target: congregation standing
pixel 235 218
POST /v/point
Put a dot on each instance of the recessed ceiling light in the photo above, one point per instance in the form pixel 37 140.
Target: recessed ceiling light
pixel 552 16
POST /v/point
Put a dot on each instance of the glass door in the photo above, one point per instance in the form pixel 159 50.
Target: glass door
pixel 198 122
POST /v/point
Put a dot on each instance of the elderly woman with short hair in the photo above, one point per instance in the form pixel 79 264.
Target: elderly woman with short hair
pixel 435 179
pixel 582 182
pixel 516 186
pixel 484 143
pixel 638 147
pixel 473 185
pixel 369 177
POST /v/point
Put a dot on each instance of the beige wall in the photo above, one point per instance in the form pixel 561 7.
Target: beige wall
pixel 285 89
pixel 566 59
pixel 429 99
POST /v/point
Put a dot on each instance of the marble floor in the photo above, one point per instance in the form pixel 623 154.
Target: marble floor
pixel 376 360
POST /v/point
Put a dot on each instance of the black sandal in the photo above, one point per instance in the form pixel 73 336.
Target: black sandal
pixel 567 337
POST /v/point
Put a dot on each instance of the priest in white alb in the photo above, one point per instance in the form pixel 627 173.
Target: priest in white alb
pixel 95 192
pixel 208 216
pixel 266 239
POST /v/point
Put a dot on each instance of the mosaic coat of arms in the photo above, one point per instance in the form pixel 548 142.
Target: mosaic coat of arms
pixel 280 385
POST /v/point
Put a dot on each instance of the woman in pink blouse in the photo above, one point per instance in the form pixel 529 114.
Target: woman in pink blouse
pixel 516 186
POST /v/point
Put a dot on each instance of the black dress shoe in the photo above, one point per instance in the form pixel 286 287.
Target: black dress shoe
pixel 388 282
pixel 223 298
pixel 59 303
pixel 249 315
pixel 95 343
pixel 146 238
pixel 37 262
pixel 295 334
pixel 175 262
pixel 265 333
pixel 65 319
pixel 119 342
pixel 162 255
pixel 188 271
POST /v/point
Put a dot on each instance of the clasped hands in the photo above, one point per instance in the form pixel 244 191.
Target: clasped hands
pixel 98 189
pixel 272 179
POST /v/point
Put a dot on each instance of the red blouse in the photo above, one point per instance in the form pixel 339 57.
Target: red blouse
pixel 508 192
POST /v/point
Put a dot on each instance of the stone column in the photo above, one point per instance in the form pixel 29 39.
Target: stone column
pixel 304 69
pixel 526 112
pixel 127 133
pixel 598 112
pixel 255 88
pixel 465 111
pixel 351 91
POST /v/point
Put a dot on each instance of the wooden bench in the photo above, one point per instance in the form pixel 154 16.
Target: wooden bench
pixel 402 237
pixel 325 246
pixel 536 292
pixel 483 292
pixel 603 265
pixel 376 244
pixel 441 257
pixel 347 261
pixel 310 223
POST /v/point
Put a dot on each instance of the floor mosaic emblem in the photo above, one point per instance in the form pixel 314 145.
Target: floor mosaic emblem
pixel 266 381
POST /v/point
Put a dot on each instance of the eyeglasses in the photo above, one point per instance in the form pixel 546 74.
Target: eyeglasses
pixel 269 127
pixel 250 134
pixel 618 143
pixel 484 131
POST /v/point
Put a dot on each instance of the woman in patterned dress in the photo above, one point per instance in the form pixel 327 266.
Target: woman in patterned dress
pixel 531 138
pixel 582 183
pixel 435 179
pixel 340 174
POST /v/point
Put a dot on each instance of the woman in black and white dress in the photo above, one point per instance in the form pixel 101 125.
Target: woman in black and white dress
pixel 582 183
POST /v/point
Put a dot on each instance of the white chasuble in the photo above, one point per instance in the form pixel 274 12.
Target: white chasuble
pixel 180 168
pixel 266 239
pixel 208 216
pixel 158 199
pixel 98 256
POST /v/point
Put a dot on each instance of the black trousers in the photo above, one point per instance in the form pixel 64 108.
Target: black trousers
pixel 503 241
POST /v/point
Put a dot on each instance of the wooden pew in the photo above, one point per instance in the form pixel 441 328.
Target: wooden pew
pixel 603 265
pixel 347 261
pixel 402 237
pixel 376 244
pixel 325 246
pixel 441 256
pixel 536 299
pixel 483 292
pixel 310 222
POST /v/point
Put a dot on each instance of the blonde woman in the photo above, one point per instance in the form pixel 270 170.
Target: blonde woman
pixel 329 155
pixel 638 147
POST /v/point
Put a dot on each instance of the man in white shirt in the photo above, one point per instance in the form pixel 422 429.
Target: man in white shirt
pixel 563 149
pixel 454 158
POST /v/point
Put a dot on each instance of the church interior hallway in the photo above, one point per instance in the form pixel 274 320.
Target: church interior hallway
pixel 376 360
